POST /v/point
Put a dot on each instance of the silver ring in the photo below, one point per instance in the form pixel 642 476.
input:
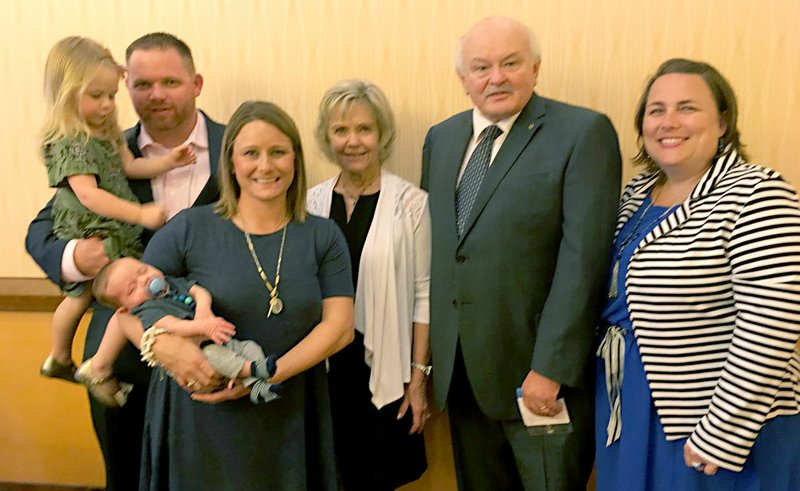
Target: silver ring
pixel 699 466
pixel 427 414
pixel 191 384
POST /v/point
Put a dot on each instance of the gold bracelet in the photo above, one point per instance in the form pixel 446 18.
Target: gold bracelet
pixel 426 369
pixel 146 345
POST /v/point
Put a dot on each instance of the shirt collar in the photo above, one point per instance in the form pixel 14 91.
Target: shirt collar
pixel 198 137
pixel 481 122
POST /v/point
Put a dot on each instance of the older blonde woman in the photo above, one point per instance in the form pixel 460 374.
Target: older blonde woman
pixel 382 374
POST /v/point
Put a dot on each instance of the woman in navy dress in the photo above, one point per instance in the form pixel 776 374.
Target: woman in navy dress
pixel 698 384
pixel 283 279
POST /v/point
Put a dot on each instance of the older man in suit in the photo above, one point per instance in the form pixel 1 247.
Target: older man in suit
pixel 163 86
pixel 523 194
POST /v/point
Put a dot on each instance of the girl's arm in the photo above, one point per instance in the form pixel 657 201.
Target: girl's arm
pixel 146 168
pixel 108 205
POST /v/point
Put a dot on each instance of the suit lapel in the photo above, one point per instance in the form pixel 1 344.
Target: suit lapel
pixel 707 182
pixel 526 125
pixel 215 132
pixel 210 192
pixel 632 205
pixel 454 157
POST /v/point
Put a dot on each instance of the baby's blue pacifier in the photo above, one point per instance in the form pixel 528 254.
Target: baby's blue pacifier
pixel 157 286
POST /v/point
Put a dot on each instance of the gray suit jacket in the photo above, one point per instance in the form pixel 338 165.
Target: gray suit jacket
pixel 523 287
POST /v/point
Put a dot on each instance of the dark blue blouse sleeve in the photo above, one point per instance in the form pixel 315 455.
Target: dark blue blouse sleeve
pixel 335 276
pixel 167 249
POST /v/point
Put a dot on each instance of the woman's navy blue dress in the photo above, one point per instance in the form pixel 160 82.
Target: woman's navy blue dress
pixel 286 444
pixel 642 458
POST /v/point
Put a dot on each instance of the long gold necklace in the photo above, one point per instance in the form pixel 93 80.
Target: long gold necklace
pixel 635 231
pixel 275 303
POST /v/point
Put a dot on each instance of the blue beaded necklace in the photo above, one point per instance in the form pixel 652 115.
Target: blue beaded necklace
pixel 159 288
pixel 634 233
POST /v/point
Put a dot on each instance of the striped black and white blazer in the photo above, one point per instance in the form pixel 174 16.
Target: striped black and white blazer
pixel 714 298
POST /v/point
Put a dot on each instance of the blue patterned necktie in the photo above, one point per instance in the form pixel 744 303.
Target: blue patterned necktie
pixel 473 176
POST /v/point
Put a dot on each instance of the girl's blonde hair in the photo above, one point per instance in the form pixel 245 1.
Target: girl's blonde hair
pixel 71 66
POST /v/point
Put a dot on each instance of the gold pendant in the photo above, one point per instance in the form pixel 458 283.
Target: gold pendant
pixel 275 306
pixel 612 290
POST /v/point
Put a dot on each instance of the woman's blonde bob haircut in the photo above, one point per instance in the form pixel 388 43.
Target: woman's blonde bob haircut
pixel 340 98
pixel 229 189
pixel 71 66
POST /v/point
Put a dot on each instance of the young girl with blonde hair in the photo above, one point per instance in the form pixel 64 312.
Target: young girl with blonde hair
pixel 88 163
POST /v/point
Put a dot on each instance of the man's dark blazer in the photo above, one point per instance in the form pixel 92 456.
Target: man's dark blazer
pixel 118 431
pixel 522 288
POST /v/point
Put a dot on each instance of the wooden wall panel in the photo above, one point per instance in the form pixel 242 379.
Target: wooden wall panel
pixel 595 53
pixel 47 434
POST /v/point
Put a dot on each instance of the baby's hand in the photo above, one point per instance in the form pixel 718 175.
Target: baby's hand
pixel 181 156
pixel 216 329
pixel 152 216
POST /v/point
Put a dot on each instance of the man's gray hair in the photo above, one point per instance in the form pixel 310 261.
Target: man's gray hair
pixel 536 50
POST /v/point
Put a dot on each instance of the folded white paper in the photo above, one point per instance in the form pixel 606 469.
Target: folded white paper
pixel 531 419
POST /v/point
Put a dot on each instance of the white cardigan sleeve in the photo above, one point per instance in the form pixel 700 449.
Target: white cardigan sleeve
pixel 422 264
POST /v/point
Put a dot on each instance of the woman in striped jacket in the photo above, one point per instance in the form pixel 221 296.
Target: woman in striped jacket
pixel 698 381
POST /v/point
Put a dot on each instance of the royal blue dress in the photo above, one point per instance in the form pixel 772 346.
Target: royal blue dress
pixel 642 458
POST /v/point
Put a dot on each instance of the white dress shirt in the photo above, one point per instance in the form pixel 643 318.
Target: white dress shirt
pixel 480 123
pixel 179 188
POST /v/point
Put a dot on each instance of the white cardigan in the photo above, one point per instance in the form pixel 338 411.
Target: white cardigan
pixel 714 298
pixel 393 280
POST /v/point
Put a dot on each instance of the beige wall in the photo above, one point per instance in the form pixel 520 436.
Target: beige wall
pixel 595 53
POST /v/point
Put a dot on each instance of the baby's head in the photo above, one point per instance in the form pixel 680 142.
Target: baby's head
pixel 124 283
pixel 80 82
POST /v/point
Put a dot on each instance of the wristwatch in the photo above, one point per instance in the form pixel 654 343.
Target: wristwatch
pixel 426 369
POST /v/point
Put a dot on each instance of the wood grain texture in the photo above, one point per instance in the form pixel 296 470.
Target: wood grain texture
pixel 596 53
pixel 47 433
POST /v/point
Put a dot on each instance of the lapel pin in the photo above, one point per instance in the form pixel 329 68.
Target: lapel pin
pixel 530 126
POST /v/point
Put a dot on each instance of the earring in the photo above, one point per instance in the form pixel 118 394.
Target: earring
pixel 720 146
